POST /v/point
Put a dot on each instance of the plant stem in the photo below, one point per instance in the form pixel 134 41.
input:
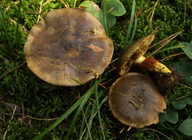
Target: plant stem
pixel 90 121
pixel 133 34
pixel 75 117
pixel 130 23
pixel 105 17
pixel 98 108
pixel 18 20
pixel 169 128
pixel 5 29
pixel 65 115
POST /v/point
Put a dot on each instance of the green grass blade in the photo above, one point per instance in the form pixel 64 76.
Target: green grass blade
pixel 98 108
pixel 92 112
pixel 87 110
pixel 103 101
pixel 65 115
pixel 76 80
pixel 130 23
pixel 90 121
pixel 77 114
pixel 18 21
pixel 133 33
pixel 5 29
pixel 105 17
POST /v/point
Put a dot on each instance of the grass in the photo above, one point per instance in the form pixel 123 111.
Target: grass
pixel 130 26
pixel 5 29
pixel 83 112
pixel 81 102
pixel 105 18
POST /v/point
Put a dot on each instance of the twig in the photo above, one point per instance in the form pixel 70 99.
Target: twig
pixel 154 31
pixel 4 136
pixel 150 129
pixel 102 84
pixel 39 11
pixel 165 41
pixel 111 70
pixel 134 104
pixel 13 21
pixel 136 16
pixel 5 59
pixel 114 60
pixel 157 137
pixel 82 134
pixel 22 109
pixel 189 5
pixel 75 2
pixel 66 4
pixel 185 86
pixel 39 119
pixel 48 1
pixel 152 14
pixel 110 10
pixel 185 8
pixel 138 13
pixel 169 57
pixel 122 130
pixel 148 11
pixel 93 118
pixel 128 129
pixel 86 126
pixel 35 12
pixel 33 118
pixel 181 97
pixel 12 70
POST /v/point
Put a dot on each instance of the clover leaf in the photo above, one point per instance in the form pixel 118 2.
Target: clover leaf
pixel 186 127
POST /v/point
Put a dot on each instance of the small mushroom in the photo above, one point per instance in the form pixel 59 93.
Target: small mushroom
pixel 134 54
pixel 135 101
pixel 68 47
pixel 165 78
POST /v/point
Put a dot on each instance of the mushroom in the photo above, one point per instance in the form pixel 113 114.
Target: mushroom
pixel 134 54
pixel 160 73
pixel 135 100
pixel 68 47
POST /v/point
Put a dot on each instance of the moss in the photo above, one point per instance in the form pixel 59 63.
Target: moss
pixel 42 100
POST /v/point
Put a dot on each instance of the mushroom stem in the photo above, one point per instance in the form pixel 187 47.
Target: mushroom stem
pixel 133 52
pixel 151 64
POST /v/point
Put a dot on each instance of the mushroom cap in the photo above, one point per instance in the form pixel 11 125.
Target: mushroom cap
pixel 133 52
pixel 135 101
pixel 68 47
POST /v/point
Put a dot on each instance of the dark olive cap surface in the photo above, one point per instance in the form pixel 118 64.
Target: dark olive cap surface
pixel 135 101
pixel 68 47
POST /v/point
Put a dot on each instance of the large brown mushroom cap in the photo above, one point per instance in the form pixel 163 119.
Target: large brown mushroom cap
pixel 68 47
pixel 135 101
pixel 133 52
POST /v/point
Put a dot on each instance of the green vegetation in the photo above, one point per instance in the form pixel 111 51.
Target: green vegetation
pixel 28 105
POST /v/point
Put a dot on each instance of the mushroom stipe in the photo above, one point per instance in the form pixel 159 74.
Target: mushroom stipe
pixel 134 54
